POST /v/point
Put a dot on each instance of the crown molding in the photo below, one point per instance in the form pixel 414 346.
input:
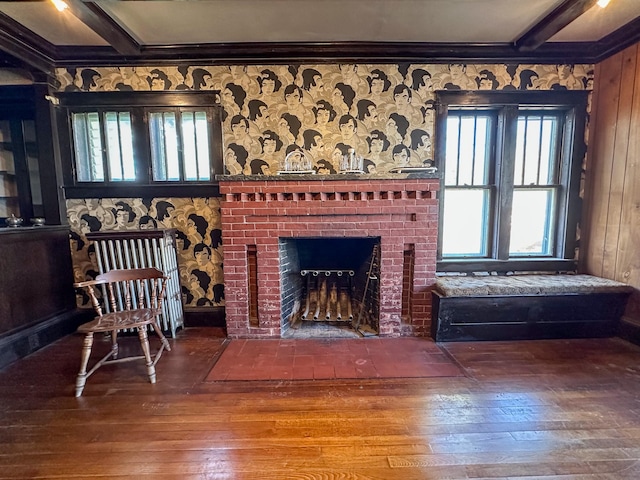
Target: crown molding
pixel 22 47
pixel 25 47
pixel 345 52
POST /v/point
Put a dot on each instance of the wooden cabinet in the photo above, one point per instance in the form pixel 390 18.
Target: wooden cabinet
pixel 8 186
pixel 37 298
pixel 29 178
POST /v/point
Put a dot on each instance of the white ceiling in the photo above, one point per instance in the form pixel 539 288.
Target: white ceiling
pixel 158 27
pixel 191 22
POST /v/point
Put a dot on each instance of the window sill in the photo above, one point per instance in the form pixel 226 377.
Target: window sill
pixel 502 266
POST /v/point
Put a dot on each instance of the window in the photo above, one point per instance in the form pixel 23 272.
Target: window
pixel 140 140
pixel 115 161
pixel 180 146
pixel 511 173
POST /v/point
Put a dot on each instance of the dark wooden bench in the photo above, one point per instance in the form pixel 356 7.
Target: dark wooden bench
pixel 537 306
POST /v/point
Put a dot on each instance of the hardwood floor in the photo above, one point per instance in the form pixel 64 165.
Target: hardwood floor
pixel 561 409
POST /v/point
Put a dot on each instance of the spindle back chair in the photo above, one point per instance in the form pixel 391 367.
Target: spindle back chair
pixel 123 300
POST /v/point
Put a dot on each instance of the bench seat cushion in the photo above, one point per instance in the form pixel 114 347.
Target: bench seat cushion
pixel 561 284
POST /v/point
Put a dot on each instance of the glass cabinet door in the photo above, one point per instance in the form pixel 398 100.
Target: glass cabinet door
pixel 20 189
pixel 9 204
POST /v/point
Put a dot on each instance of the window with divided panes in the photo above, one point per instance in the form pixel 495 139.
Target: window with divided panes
pixel 142 138
pixel 511 172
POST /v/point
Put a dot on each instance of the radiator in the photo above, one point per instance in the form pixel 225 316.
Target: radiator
pixel 141 249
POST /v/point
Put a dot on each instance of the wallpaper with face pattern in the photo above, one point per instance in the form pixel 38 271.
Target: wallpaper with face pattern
pixel 385 112
pixel 199 238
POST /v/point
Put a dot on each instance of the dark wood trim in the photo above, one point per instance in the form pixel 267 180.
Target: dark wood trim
pixel 139 99
pixel 259 53
pixel 138 103
pixel 489 265
pixel 143 191
pixel 104 25
pixel 503 179
pixel 575 125
pixel 22 179
pixel 629 330
pixel 50 173
pixel 617 41
pixel 560 17
pixel 25 45
pixel 500 97
pixel 20 344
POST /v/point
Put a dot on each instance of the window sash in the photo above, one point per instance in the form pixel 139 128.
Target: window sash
pixel 180 146
pixel 103 144
pixel 467 222
pixel 472 160
pixel 533 222
pixel 537 149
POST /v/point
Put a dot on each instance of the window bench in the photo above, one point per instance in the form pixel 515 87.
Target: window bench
pixel 526 307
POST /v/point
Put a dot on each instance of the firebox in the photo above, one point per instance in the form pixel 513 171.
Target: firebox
pixel 354 248
pixel 331 280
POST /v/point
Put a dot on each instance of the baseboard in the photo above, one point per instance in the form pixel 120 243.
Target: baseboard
pixel 629 329
pixel 15 346
pixel 205 317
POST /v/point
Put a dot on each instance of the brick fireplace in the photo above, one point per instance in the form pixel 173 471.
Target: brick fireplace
pixel 263 217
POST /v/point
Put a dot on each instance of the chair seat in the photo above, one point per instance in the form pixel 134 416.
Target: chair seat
pixel 120 320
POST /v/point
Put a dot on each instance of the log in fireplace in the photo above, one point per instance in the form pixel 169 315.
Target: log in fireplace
pixel 297 245
pixel 332 280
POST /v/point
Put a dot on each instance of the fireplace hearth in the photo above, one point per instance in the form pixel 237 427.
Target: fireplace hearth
pixel 357 250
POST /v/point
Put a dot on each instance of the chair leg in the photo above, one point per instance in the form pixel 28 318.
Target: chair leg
pixel 144 343
pixel 114 344
pixel 163 339
pixel 81 380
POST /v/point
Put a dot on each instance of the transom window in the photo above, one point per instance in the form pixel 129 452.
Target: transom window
pixel 511 179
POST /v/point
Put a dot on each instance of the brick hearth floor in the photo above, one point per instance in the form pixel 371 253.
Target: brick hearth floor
pixel 332 358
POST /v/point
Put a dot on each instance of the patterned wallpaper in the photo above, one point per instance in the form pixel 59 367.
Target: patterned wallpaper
pixel 385 112
pixel 199 238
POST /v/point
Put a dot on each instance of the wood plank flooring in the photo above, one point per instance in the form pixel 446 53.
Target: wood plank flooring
pixel 558 409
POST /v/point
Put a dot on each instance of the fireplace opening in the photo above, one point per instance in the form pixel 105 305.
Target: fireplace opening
pixel 332 281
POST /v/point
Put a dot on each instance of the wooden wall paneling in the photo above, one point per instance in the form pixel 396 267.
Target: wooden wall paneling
pixel 616 198
pixel 628 261
pixel 586 221
pixel 599 166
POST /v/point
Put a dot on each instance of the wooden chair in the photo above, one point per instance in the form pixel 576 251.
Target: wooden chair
pixel 133 300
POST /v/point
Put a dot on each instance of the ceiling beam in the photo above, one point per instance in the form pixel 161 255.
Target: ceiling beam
pixel 100 22
pixel 560 17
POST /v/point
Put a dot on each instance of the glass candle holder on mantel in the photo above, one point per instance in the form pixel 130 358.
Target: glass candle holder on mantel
pixel 296 161
pixel 352 162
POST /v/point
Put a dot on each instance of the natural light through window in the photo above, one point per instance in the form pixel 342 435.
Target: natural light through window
pixel 468 196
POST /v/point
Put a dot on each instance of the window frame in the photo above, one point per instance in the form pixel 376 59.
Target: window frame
pixel 139 105
pixel 508 105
